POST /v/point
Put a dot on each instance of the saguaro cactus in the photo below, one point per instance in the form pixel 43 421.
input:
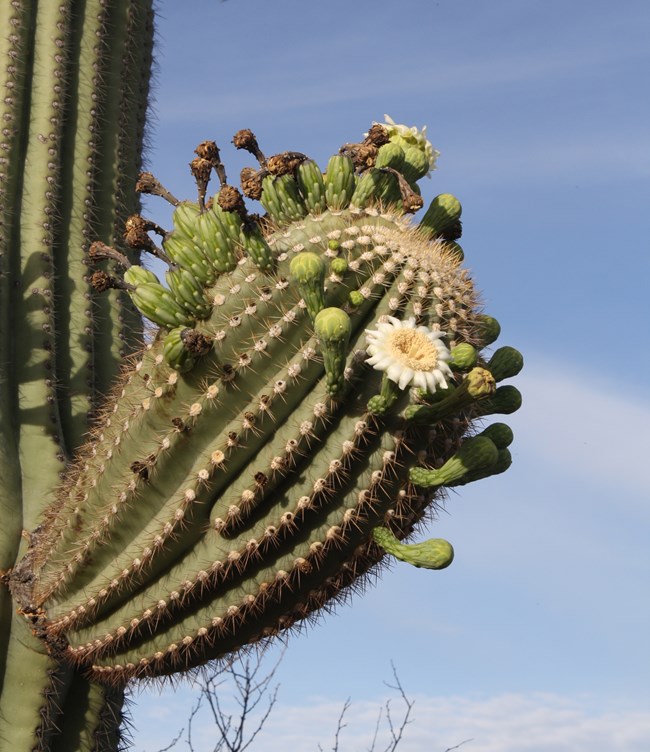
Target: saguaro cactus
pixel 317 380
pixel 75 76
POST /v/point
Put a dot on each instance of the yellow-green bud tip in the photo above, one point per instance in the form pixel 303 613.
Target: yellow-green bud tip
pixel 332 325
pixel 307 267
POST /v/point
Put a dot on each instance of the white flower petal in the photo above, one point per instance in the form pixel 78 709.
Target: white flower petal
pixel 410 355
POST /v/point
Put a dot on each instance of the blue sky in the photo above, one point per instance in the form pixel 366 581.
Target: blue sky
pixel 536 638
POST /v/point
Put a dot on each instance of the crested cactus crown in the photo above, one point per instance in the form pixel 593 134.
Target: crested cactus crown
pixel 316 382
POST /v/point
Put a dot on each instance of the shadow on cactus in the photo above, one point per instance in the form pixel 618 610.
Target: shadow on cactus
pixel 317 381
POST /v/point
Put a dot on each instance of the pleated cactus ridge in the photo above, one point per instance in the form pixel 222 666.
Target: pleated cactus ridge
pixel 318 378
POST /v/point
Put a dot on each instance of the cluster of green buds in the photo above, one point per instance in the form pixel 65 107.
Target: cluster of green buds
pixel 318 379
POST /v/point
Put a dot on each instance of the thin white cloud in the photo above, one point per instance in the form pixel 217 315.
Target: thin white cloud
pixel 586 428
pixel 502 723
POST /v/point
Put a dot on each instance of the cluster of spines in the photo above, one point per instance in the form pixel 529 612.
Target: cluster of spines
pixel 233 491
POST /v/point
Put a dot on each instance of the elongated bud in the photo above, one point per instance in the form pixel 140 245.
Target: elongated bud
pixel 333 328
pixel 189 293
pixel 370 187
pixel 390 155
pixel 489 330
pixel 506 400
pixel 505 363
pixel 442 218
pixel 339 182
pixel 435 553
pixel 463 357
pixel 255 245
pixel 500 434
pixel 476 453
pixel 308 271
pixel 138 275
pixel 478 385
pixel 281 198
pixel 312 186
pixel 156 303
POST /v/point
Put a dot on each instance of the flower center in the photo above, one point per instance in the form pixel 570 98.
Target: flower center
pixel 414 349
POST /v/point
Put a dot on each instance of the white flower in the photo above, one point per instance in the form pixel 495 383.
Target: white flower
pixel 410 355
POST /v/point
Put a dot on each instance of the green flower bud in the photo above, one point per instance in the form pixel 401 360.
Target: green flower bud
pixel 505 363
pixel 312 186
pixel 333 328
pixel 308 271
pixel 476 453
pixel 488 328
pixel 340 182
pixel 435 553
pixel 463 357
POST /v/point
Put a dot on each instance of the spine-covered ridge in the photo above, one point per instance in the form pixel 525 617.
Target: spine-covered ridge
pixel 314 386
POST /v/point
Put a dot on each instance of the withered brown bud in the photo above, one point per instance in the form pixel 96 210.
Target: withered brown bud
pixel 99 251
pixel 101 281
pixel 377 135
pixel 251 182
pixel 363 155
pixel 231 200
pixel 195 342
pixel 149 184
pixel 412 203
pixel 245 139
pixel 285 163
pixel 201 169
pixel 135 233
pixel 208 150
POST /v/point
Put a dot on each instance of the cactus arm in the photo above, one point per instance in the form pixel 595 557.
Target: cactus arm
pixel 233 480
pixel 150 415
pixel 325 528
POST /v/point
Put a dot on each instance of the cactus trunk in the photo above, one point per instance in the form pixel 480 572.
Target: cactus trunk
pixel 75 80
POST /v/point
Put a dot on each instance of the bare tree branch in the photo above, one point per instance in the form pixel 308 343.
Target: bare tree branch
pixel 460 744
pixel 397 735
pixel 173 742
pixel 255 699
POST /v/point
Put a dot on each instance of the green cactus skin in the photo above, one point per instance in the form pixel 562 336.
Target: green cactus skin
pixel 74 78
pixel 225 496
pixel 232 480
